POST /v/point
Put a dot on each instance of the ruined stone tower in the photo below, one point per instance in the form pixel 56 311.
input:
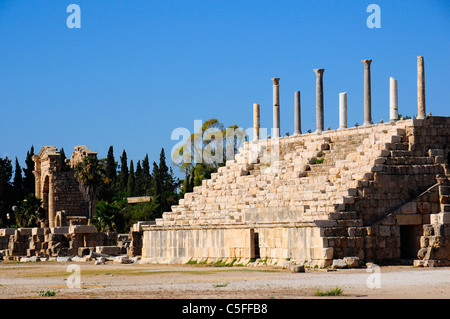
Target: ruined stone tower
pixel 57 186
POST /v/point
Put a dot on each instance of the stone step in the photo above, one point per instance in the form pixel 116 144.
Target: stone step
pixel 409 160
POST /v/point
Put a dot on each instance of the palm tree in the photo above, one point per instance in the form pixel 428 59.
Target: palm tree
pixel 105 216
pixel 90 174
pixel 30 213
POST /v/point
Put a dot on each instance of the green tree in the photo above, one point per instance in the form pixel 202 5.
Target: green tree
pixel 123 175
pixel 107 216
pixel 131 184
pixel 207 150
pixel 18 182
pixel 165 185
pixel 139 183
pixel 6 189
pixel 146 178
pixel 90 174
pixel 29 179
pixel 62 160
pixel 30 212
pixel 111 165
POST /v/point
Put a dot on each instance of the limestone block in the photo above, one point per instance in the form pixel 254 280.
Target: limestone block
pixel 7 231
pixel 81 229
pixel 37 231
pixel 25 231
pixel 60 230
pixel 352 262
pixel 409 219
pixel 339 264
pixel 107 250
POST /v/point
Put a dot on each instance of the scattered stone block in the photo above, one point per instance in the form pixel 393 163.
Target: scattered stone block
pixel 297 268
pixel 122 260
pixel 37 231
pixel 83 251
pixel 63 259
pixel 81 229
pixel 339 263
pixel 352 262
pixel 107 250
pixel 7 231
pixel 60 230
pixel 25 231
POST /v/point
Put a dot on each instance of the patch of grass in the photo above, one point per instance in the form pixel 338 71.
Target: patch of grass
pixel 221 285
pixel 334 292
pixel 319 160
pixel 47 293
pixel 192 262
pixel 222 263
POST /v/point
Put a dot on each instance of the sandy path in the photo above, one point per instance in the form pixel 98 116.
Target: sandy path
pixel 20 280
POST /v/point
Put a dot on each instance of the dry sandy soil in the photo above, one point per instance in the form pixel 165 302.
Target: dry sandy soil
pixel 27 280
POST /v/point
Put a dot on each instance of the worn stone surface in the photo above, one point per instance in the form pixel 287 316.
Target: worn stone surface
pixel 57 186
pixel 311 198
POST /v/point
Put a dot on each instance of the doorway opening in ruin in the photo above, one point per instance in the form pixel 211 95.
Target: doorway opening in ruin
pixel 409 241
pixel 256 243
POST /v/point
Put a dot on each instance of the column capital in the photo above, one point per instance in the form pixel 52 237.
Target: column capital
pixel 366 63
pixel 276 81
pixel 319 72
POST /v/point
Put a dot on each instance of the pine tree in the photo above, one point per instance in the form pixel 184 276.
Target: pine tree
pixel 131 181
pixel 29 179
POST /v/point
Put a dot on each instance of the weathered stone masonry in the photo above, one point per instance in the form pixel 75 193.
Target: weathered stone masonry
pixel 378 192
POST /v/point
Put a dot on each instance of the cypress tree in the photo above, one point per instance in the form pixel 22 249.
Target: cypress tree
pixel 111 165
pixel 62 160
pixel 123 176
pixel 18 182
pixel 29 179
pixel 131 181
pixel 147 187
pixel 139 180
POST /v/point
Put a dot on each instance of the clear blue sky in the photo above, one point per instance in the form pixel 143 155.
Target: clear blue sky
pixel 138 69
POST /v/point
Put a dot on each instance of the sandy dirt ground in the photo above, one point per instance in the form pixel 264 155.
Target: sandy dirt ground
pixel 29 280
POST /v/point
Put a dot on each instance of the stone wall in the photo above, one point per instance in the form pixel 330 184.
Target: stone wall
pixel 315 197
pixel 55 241
pixel 56 185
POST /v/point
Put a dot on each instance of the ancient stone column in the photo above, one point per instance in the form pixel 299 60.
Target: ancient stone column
pixel 367 93
pixel 276 107
pixel 51 205
pixel 342 110
pixel 393 100
pixel 420 88
pixel 319 100
pixel 297 114
pixel 256 122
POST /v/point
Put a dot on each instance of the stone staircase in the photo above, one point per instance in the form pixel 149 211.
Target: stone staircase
pixel 434 243
pixel 349 190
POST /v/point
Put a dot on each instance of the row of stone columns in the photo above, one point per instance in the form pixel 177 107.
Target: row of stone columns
pixel 393 102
